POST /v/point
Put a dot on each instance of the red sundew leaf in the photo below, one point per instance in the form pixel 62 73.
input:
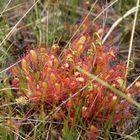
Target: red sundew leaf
pixel 15 71
pixel 33 57
pixel 116 117
pixel 66 82
pixel 112 51
pixel 35 99
pixel 36 96
pixel 56 63
pixel 120 68
pixel 13 124
pixel 93 132
pixel 55 49
pixel 85 66
pixel 15 82
pixel 29 79
pixel 122 116
pixel 87 114
pixel 73 84
pixel 92 135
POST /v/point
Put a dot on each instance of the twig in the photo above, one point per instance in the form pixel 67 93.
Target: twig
pixel 131 41
pixel 134 9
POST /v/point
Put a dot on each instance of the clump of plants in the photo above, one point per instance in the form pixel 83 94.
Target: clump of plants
pixel 47 78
